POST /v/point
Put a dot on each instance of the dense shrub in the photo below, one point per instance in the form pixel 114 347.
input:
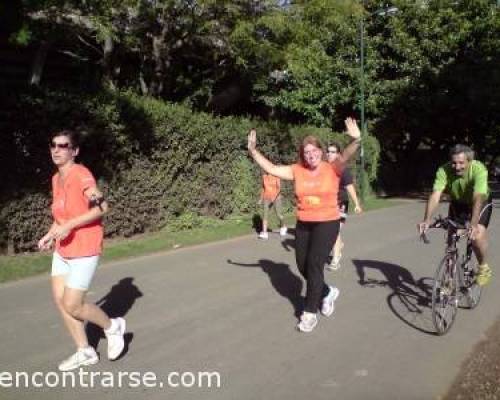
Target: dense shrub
pixel 159 165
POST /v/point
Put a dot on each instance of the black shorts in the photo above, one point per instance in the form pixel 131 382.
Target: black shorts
pixel 343 208
pixel 462 213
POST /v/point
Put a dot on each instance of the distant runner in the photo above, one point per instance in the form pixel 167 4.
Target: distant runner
pixel 346 190
pixel 271 197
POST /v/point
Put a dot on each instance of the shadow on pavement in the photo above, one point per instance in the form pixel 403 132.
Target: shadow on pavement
pixel 289 243
pixel 409 300
pixel 116 303
pixel 284 281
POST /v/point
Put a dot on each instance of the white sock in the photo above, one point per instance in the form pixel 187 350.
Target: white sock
pixel 112 328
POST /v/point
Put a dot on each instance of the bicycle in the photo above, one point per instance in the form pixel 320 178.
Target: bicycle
pixel 455 277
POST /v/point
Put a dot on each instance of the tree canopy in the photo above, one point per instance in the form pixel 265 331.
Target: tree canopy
pixel 431 70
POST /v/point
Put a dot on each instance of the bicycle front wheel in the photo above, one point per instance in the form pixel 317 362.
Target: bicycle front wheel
pixel 472 289
pixel 445 295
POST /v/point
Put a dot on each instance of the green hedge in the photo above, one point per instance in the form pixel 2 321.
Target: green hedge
pixel 160 165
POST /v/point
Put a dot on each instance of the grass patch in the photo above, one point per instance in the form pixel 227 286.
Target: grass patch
pixel 21 266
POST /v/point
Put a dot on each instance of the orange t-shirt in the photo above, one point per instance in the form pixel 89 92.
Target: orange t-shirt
pixel 271 187
pixel 69 201
pixel 316 192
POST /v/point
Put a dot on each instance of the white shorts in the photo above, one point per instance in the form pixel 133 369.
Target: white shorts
pixel 78 271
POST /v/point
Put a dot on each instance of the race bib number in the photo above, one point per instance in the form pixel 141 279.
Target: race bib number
pixel 312 200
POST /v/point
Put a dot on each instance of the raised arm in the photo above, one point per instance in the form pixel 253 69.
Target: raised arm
pixel 280 171
pixel 353 131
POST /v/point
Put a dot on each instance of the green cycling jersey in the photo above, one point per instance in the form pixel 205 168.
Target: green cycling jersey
pixel 462 188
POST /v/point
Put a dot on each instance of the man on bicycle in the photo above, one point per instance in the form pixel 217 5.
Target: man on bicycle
pixel 465 180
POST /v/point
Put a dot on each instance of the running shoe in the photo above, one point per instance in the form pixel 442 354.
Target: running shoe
pixel 114 334
pixel 84 356
pixel 308 322
pixel 484 275
pixel 335 263
pixel 328 303
pixel 283 231
pixel 263 235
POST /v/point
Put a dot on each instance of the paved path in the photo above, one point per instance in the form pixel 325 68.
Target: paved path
pixel 231 308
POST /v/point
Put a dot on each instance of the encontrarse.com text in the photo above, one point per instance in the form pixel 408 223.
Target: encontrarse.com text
pixel 107 379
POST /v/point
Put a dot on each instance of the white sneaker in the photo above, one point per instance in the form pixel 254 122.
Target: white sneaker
pixel 283 231
pixel 335 263
pixel 308 322
pixel 84 356
pixel 328 304
pixel 114 334
pixel 263 235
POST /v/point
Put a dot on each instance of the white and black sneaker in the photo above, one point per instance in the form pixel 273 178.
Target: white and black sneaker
pixel 334 263
pixel 263 236
pixel 84 356
pixel 114 334
pixel 308 322
pixel 328 304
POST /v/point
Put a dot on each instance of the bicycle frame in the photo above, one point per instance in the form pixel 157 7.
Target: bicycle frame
pixel 454 236
pixel 454 280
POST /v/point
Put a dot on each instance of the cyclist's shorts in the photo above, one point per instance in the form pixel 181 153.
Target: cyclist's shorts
pixel 463 212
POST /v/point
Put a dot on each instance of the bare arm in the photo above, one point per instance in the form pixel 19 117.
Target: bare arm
pixel 352 193
pixel 94 213
pixel 353 131
pixel 45 243
pixel 431 206
pixel 280 171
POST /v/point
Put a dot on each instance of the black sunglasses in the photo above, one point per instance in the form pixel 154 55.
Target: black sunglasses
pixel 332 151
pixel 54 145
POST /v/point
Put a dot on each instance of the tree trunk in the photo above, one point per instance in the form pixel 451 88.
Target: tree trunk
pixel 39 63
pixel 107 62
pixel 144 85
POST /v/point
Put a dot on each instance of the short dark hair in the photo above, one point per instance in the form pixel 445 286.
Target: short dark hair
pixel 462 148
pixel 74 137
pixel 336 145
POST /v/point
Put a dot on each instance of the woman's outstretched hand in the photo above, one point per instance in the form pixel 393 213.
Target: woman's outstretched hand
pixel 352 128
pixel 252 140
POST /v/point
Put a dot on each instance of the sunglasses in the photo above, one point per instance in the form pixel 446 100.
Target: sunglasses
pixel 332 151
pixel 54 145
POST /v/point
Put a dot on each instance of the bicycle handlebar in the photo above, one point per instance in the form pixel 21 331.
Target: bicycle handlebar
pixel 443 223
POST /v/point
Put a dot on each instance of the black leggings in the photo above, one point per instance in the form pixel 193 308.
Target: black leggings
pixel 313 242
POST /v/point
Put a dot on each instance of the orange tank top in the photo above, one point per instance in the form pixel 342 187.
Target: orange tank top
pixel 271 187
pixel 69 201
pixel 316 192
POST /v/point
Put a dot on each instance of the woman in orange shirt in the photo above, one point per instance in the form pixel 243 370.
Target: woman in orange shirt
pixel 271 197
pixel 77 232
pixel 316 185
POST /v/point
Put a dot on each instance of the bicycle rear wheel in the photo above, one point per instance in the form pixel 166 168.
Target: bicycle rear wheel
pixel 445 295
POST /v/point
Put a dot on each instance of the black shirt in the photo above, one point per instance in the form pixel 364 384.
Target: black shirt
pixel 345 179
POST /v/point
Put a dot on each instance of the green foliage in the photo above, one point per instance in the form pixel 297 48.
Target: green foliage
pixel 26 219
pixel 160 165
pixel 244 181
pixel 22 37
pixel 190 220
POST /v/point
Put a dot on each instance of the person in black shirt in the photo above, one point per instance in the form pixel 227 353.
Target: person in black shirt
pixel 346 190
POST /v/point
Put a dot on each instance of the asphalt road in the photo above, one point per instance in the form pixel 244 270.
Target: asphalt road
pixel 231 308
